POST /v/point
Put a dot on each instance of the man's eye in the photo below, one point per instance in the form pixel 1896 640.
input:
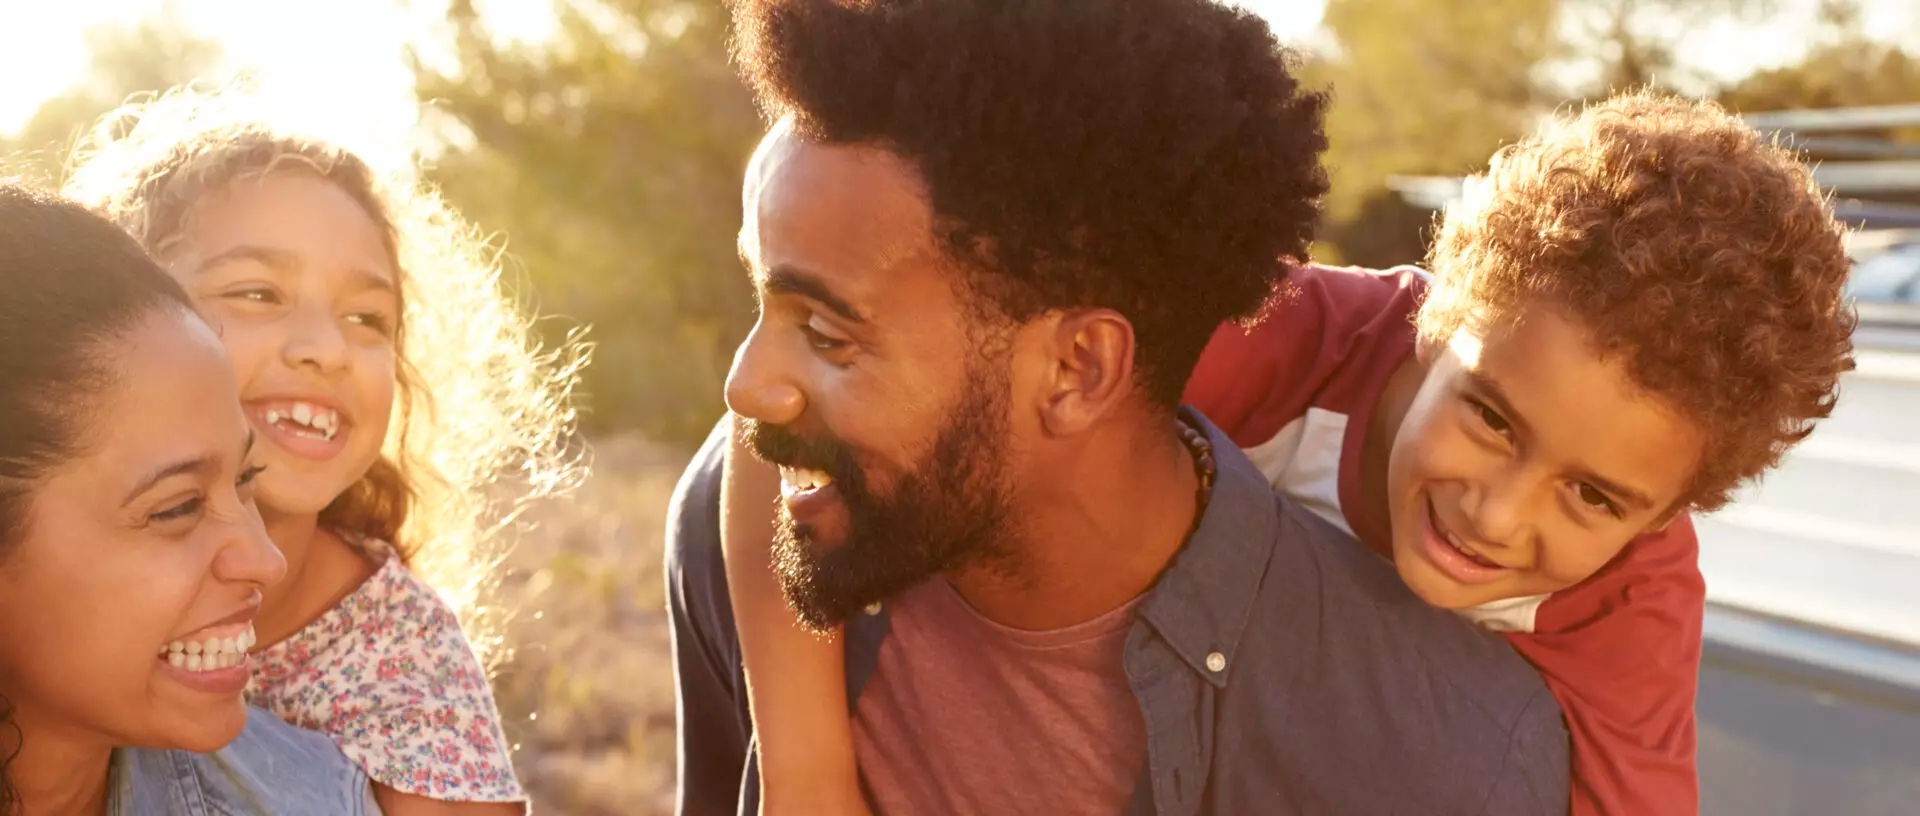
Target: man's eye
pixel 821 341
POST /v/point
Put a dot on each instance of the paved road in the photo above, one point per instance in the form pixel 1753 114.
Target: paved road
pixel 1808 721
pixel 1833 535
pixel 1801 721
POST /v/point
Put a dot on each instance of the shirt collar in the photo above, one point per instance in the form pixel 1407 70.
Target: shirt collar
pixel 1203 602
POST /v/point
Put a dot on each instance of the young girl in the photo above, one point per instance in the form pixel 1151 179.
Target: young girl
pixel 1646 270
pixel 127 538
pixel 390 382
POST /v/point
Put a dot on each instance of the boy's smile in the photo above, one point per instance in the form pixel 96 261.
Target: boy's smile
pixel 1526 462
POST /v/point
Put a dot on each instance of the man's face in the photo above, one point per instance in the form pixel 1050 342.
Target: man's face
pixel 1526 463
pixel 866 380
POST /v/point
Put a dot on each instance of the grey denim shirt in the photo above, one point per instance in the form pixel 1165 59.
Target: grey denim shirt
pixel 273 769
pixel 1280 668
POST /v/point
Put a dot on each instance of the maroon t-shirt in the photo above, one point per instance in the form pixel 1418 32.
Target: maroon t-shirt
pixel 964 715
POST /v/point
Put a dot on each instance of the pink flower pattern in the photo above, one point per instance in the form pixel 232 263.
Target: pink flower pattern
pixel 389 675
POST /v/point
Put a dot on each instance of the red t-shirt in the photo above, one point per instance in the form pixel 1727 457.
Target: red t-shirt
pixel 1621 650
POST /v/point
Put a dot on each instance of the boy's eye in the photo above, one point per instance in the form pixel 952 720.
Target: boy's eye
pixel 1492 419
pixel 1594 498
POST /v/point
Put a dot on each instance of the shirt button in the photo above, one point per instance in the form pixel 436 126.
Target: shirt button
pixel 873 608
pixel 1216 662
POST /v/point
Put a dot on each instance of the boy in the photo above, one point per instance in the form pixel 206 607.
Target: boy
pixel 1632 313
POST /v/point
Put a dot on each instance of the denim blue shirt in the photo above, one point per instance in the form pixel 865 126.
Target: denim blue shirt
pixel 1280 667
pixel 273 769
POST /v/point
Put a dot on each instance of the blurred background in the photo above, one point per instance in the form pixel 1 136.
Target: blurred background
pixel 601 142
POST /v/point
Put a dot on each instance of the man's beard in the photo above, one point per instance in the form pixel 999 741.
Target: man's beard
pixel 950 510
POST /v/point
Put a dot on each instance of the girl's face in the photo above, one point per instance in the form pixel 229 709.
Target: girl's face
pixel 126 608
pixel 293 274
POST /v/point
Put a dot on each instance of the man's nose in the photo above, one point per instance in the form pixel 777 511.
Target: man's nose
pixel 761 386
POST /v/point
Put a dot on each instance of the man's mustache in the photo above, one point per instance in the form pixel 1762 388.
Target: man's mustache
pixel 781 446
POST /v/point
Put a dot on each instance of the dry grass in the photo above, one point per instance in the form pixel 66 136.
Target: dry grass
pixel 587 689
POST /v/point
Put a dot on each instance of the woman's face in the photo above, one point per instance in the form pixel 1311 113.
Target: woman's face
pixel 145 545
pixel 294 275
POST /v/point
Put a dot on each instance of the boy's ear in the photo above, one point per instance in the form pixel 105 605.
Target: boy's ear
pixel 1424 349
pixel 1666 519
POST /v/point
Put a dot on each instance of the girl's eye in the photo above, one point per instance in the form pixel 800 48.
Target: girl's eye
pixel 185 509
pixel 374 321
pixel 247 476
pixel 254 295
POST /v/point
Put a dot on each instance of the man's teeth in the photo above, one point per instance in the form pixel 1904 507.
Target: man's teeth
pixel 804 479
pixel 323 422
pixel 209 654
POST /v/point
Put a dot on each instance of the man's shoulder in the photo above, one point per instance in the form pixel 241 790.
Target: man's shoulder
pixel 1369 615
pixel 693 512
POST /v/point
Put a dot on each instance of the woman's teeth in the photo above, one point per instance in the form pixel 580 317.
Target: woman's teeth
pixel 307 419
pixel 209 654
pixel 802 479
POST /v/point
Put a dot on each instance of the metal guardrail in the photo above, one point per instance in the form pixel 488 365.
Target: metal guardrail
pixel 1825 659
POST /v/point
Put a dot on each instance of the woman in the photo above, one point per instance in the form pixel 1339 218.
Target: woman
pixel 132 560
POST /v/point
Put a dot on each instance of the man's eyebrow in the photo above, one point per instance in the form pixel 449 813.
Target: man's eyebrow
pixel 786 280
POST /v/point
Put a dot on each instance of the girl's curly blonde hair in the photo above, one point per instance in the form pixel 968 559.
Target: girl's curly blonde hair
pixel 482 416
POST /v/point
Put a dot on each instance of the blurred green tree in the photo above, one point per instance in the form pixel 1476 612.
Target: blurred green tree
pixel 1436 97
pixel 1626 44
pixel 148 55
pixel 1843 68
pixel 611 156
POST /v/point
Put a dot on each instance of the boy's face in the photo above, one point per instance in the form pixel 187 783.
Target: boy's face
pixel 1526 462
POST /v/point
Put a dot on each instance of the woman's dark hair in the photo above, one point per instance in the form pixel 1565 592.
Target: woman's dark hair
pixel 70 284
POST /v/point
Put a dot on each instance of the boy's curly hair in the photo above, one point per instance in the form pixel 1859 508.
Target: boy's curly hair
pixel 477 400
pixel 1155 157
pixel 1702 257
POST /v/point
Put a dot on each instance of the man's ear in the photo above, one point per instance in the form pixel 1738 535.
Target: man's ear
pixel 1092 371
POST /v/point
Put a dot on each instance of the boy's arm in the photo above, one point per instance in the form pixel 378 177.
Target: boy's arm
pixel 1621 652
pixel 796 682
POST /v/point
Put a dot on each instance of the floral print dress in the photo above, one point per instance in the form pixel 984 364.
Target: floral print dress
pixel 389 675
